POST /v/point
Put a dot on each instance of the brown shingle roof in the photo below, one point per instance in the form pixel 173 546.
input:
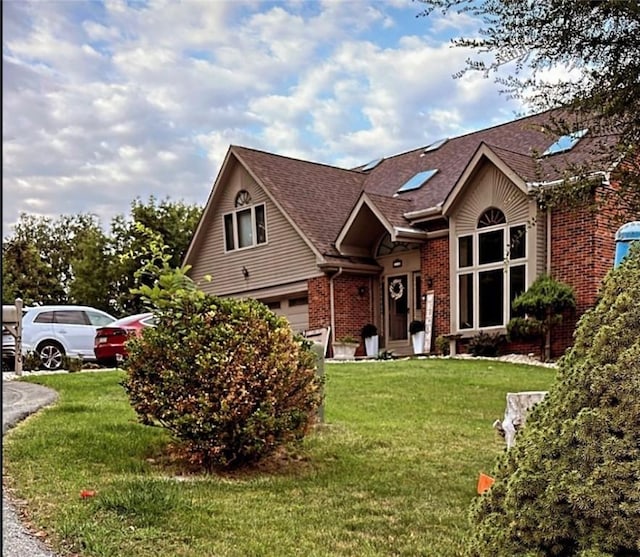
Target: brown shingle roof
pixel 516 141
pixel 317 197
pixel 392 208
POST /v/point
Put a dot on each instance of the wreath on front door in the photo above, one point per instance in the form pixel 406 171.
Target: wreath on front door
pixel 396 289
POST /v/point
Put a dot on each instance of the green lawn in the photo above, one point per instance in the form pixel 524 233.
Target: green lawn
pixel 392 471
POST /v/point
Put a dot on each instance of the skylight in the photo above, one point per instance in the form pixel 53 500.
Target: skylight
pixel 435 145
pixel 372 164
pixel 565 143
pixel 419 180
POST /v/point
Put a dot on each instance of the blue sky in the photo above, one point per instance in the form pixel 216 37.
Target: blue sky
pixel 104 102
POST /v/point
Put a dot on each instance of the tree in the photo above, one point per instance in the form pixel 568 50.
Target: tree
pixel 72 260
pixel 542 304
pixel 571 485
pixel 169 223
pixel 596 46
pixel 38 260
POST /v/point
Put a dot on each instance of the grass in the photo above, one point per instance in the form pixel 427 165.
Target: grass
pixel 392 471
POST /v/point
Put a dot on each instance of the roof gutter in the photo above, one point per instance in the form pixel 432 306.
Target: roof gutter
pixel 430 212
pixel 401 233
pixel 604 175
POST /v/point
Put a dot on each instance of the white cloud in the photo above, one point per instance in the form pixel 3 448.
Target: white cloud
pixel 116 100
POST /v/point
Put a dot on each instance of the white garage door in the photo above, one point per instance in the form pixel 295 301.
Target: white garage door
pixel 295 309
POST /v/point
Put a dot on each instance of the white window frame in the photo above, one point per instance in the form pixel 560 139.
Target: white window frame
pixel 236 231
pixel 475 269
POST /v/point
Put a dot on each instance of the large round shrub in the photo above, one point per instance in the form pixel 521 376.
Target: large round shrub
pixel 226 377
pixel 571 485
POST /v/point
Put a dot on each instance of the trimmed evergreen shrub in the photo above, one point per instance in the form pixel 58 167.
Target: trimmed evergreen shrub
pixel 543 303
pixel 226 377
pixel 571 485
pixel 485 344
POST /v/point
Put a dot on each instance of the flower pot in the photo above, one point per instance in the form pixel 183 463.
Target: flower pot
pixel 371 346
pixel 344 350
pixel 417 340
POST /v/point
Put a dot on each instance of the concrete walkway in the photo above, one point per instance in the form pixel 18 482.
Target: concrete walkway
pixel 19 400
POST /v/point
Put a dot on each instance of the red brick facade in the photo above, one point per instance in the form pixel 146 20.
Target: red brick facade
pixel 582 252
pixel 434 265
pixel 319 302
pixel 353 305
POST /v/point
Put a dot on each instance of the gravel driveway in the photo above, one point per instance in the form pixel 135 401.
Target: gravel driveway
pixel 18 401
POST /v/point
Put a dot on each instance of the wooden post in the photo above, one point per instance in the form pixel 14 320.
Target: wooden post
pixel 18 358
pixel 319 351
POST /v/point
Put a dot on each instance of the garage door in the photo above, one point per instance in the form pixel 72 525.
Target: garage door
pixel 295 309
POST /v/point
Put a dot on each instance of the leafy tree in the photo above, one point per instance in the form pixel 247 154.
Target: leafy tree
pixel 172 224
pixel 72 260
pixel 38 260
pixel 596 46
pixel 571 485
pixel 25 275
pixel 543 304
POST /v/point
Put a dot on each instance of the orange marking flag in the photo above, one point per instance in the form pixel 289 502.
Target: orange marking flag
pixel 484 483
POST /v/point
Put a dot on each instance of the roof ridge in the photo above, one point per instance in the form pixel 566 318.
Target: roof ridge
pixel 327 165
pixel 498 148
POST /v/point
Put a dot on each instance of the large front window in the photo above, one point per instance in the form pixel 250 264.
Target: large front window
pixel 246 226
pixel 491 271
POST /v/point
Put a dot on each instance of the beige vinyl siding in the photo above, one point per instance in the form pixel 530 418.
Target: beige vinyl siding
pixel 284 258
pixel 541 243
pixel 491 189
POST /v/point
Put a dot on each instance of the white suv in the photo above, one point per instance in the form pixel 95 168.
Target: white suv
pixel 58 331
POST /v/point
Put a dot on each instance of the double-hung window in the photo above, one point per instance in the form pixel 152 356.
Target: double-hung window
pixel 246 226
pixel 491 270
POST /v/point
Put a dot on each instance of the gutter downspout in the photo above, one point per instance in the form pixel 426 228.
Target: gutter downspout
pixel 332 301
pixel 548 270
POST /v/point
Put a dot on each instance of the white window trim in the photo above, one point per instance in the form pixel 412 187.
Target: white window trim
pixel 475 269
pixel 254 228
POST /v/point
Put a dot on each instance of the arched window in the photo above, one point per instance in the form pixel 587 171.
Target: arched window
pixel 243 198
pixel 491 217
pixel 491 271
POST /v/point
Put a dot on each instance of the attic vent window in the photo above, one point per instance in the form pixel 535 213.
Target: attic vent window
pixel 565 143
pixel 419 180
pixel 371 165
pixel 435 145
pixel 243 198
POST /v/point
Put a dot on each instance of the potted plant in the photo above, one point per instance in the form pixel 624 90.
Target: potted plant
pixel 416 330
pixel 370 335
pixel 345 348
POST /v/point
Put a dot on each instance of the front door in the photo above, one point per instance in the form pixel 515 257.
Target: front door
pixel 398 305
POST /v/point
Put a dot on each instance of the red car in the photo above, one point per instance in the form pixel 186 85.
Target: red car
pixel 109 344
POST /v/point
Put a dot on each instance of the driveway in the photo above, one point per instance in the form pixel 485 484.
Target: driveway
pixel 18 401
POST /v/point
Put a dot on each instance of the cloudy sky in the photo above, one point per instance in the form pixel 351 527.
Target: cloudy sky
pixel 107 101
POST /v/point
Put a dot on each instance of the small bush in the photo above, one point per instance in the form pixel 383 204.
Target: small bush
pixel 442 345
pixel 226 377
pixel 73 363
pixel 31 361
pixel 416 327
pixel 369 330
pixel 485 344
pixel 348 339
pixel 540 308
